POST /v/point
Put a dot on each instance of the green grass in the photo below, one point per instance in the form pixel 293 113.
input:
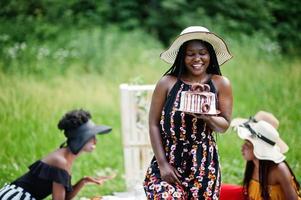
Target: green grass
pixel 32 101
pixel 35 93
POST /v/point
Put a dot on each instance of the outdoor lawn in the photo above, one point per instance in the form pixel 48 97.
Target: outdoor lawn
pixel 82 66
pixel 33 102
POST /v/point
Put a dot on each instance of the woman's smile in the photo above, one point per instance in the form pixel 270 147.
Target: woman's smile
pixel 197 58
pixel 198 65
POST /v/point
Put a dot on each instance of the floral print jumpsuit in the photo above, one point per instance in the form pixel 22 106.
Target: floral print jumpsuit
pixel 190 148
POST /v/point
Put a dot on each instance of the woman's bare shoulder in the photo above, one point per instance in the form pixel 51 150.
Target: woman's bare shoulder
pixel 221 82
pixel 56 159
pixel 167 82
pixel 282 168
pixel 220 79
pixel 168 79
pixel 280 172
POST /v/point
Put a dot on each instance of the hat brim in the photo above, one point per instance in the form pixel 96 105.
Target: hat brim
pixel 101 129
pixel 262 150
pixel 84 134
pixel 237 122
pixel 283 146
pixel 221 49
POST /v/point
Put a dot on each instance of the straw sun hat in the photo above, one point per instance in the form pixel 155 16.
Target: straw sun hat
pixel 197 33
pixel 265 139
pixel 260 115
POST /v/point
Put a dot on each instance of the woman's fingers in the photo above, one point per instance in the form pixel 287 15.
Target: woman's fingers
pixel 177 176
pixel 98 181
pixel 176 180
pixel 177 173
pixel 173 177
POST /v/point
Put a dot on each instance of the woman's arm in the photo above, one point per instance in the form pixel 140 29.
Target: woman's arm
pixel 221 122
pixel 59 192
pixel 168 173
pixel 157 103
pixel 83 182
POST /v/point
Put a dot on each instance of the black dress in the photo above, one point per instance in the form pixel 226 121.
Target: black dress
pixel 37 182
pixel 190 147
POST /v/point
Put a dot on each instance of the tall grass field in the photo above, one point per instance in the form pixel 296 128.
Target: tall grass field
pixel 39 82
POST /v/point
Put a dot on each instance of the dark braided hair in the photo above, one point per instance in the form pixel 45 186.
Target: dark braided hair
pixel 73 119
pixel 264 168
pixel 179 68
pixel 247 177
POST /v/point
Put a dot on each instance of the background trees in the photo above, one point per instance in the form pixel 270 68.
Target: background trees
pixel 44 19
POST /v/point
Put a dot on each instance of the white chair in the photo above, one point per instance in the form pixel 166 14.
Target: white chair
pixel 135 103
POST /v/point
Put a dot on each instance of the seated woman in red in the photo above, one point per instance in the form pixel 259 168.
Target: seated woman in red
pixel 51 174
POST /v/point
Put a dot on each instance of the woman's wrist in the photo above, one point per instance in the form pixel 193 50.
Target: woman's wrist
pixel 84 180
pixel 162 162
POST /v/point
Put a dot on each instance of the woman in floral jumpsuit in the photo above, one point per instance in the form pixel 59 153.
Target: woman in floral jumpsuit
pixel 186 162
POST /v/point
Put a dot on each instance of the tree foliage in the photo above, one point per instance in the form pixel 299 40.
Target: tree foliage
pixel 44 19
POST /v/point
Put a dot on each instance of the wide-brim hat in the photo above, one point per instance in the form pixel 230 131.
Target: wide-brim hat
pixel 197 33
pixel 260 115
pixel 78 137
pixel 265 139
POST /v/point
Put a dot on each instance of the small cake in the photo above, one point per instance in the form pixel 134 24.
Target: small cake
pixel 199 101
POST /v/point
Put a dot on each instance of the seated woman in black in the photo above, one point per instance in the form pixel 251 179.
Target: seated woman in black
pixel 51 175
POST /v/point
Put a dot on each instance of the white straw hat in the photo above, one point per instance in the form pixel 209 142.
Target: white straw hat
pixel 260 115
pixel 265 139
pixel 197 33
